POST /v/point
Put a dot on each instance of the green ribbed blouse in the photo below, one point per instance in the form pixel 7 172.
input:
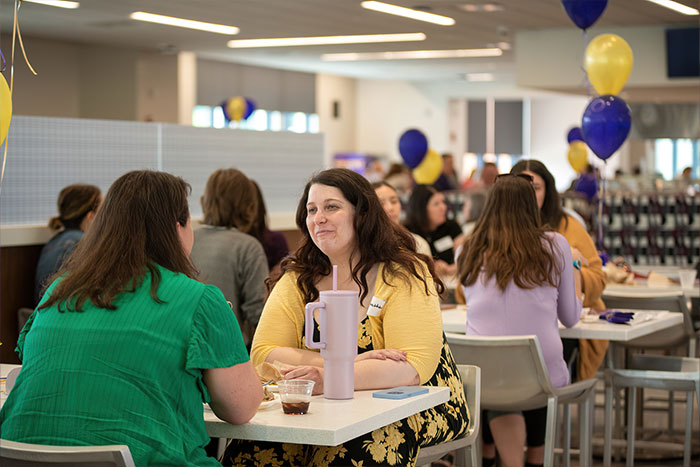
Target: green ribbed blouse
pixel 129 376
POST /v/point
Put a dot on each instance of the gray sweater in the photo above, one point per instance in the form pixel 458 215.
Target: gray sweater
pixel 235 263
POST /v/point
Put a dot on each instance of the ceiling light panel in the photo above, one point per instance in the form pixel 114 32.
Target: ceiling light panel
pixel 56 3
pixel 675 6
pixel 412 55
pixel 481 7
pixel 408 13
pixel 184 23
pixel 325 40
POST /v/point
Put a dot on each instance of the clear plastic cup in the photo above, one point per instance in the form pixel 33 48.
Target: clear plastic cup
pixel 687 277
pixel 295 395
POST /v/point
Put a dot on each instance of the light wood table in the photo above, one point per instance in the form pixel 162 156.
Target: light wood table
pixel 328 422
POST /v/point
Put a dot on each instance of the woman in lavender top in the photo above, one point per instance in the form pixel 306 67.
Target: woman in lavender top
pixel 519 279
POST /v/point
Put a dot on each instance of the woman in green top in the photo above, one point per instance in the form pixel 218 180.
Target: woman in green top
pixel 125 346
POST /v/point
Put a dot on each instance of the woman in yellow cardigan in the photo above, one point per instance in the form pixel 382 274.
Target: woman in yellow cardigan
pixel 400 339
pixel 591 352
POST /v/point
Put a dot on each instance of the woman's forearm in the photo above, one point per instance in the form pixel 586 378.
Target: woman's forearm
pixel 295 357
pixel 381 374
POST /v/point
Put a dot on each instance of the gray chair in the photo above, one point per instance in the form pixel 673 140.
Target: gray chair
pixel 515 377
pixel 656 372
pixel 466 445
pixel 14 454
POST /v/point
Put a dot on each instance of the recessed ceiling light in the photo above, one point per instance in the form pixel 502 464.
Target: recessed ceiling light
pixel 325 40
pixel 412 55
pixel 481 7
pixel 408 13
pixel 675 6
pixel 184 23
pixel 479 77
pixel 56 3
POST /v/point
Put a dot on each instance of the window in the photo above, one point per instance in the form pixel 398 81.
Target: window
pixel 671 156
pixel 205 116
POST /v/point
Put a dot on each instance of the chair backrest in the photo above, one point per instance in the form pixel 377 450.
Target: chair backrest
pixel 14 454
pixel 11 378
pixel 471 377
pixel 673 301
pixel 513 372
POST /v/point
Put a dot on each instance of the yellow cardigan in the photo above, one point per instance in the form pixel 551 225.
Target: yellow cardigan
pixel 410 320
pixel 591 351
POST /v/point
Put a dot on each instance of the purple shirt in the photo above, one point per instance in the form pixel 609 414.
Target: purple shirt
pixel 516 311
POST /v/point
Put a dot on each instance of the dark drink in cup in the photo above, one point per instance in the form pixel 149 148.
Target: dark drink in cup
pixel 295 408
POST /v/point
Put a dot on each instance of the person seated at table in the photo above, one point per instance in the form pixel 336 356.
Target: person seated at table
pixel 519 279
pixel 590 352
pixel 224 252
pixel 400 339
pixel 126 344
pixel 391 203
pixel 274 243
pixel 427 216
pixel 77 206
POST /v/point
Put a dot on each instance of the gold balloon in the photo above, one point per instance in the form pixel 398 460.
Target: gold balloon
pixel 236 108
pixel 429 169
pixel 608 62
pixel 578 156
pixel 5 109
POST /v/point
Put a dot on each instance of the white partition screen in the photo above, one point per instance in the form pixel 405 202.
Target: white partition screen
pixel 45 154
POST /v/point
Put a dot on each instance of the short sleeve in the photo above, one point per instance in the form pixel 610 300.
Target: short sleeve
pixel 19 350
pixel 215 338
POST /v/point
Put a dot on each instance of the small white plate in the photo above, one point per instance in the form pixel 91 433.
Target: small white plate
pixel 267 404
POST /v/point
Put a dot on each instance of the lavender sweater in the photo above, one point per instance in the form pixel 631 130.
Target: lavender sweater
pixel 516 311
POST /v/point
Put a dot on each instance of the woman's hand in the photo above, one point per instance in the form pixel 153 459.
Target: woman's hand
pixel 383 354
pixel 312 373
pixel 576 255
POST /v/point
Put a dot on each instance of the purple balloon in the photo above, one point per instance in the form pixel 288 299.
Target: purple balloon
pixel 584 12
pixel 588 185
pixel 606 123
pixel 574 135
pixel 249 108
pixel 227 117
pixel 413 145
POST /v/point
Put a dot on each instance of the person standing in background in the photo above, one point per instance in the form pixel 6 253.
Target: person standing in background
pixel 225 253
pixel 77 206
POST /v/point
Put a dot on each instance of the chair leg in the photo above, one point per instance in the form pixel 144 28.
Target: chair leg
pixel 566 436
pixel 688 429
pixel 630 425
pixel 607 441
pixel 671 410
pixel 550 433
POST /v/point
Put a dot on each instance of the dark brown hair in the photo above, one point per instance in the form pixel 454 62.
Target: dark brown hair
pixel 508 241
pixel 133 231
pixel 74 203
pixel 551 211
pixel 259 226
pixel 378 240
pixel 230 200
pixel 417 209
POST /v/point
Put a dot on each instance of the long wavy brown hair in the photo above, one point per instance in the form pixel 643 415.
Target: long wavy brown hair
pixel 378 241
pixel 230 200
pixel 134 230
pixel 508 241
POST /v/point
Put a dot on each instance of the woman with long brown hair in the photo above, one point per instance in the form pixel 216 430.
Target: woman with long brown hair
pixel 519 279
pixel 126 345
pixel 400 339
pixel 77 206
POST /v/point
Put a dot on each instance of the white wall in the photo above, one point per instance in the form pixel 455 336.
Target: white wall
pixel 340 132
pixel 385 109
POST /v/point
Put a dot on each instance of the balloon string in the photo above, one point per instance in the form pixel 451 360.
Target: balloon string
pixel 585 81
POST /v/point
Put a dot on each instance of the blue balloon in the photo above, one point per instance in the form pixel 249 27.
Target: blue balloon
pixel 413 145
pixel 249 108
pixel 584 12
pixel 574 135
pixel 588 185
pixel 606 123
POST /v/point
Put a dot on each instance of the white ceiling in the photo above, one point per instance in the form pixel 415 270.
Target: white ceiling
pixel 107 22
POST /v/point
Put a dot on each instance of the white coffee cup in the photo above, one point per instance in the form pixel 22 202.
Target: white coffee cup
pixel 687 277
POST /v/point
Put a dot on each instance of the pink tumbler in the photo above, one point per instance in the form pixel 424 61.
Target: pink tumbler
pixel 338 341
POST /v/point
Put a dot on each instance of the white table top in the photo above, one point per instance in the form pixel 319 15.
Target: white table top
pixel 328 422
pixel 640 288
pixel 455 320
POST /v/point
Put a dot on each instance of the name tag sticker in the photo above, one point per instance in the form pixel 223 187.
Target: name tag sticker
pixel 443 244
pixel 375 307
